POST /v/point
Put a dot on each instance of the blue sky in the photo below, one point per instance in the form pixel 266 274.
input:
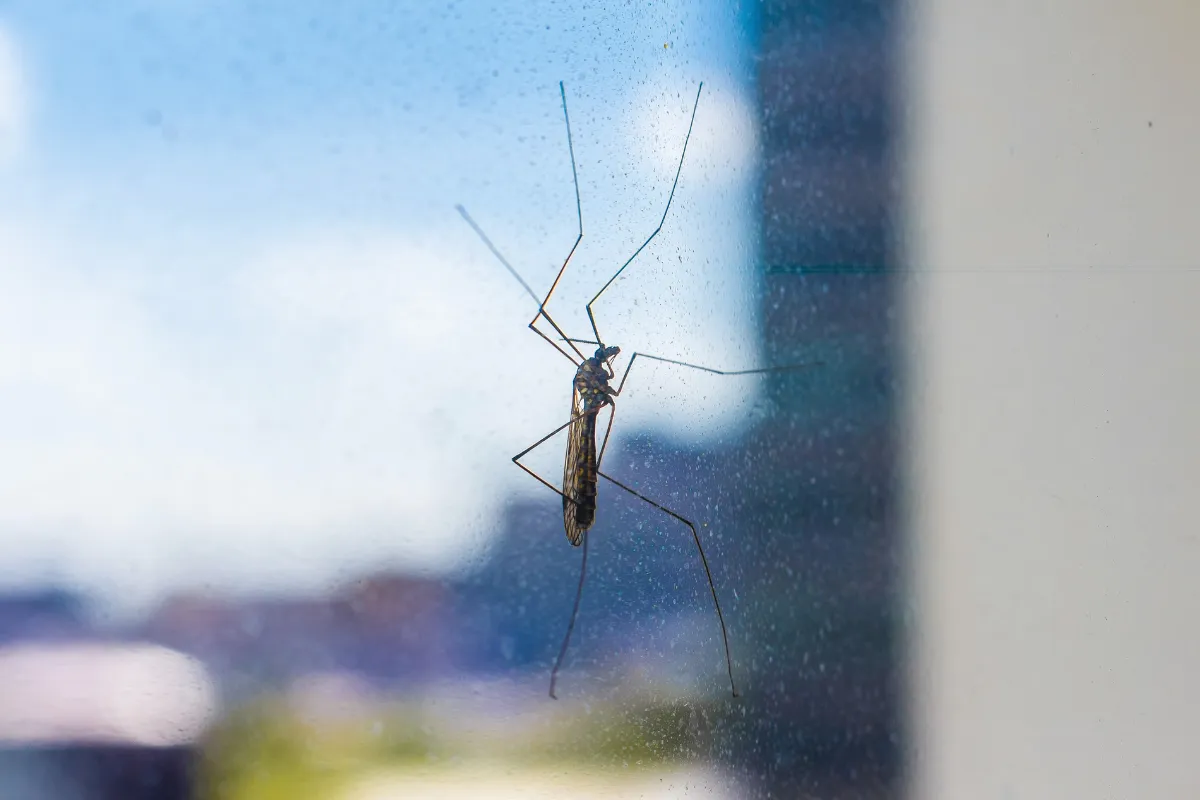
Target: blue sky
pixel 250 345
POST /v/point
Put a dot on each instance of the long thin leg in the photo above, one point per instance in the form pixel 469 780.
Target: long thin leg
pixel 517 458
pixel 608 432
pixel 629 366
pixel 670 198
pixel 512 271
pixel 541 312
pixel 495 251
pixel 703 560
pixel 578 207
pixel 562 652
pixel 760 370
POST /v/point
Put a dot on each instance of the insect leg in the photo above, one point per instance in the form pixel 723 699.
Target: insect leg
pixel 583 565
pixel 562 651
pixel 629 366
pixel 607 433
pixel 541 312
pixel 512 271
pixel 703 560
pixel 578 215
pixel 670 198
pixel 760 370
pixel 517 458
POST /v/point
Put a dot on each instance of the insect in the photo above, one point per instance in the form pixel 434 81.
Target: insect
pixel 592 391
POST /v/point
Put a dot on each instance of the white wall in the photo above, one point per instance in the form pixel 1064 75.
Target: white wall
pixel 1054 174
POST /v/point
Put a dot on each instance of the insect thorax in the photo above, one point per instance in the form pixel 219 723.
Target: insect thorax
pixel 591 381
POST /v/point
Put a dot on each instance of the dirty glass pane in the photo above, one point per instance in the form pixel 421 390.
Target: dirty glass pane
pixel 261 385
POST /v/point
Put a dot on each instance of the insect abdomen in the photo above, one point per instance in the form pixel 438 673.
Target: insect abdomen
pixel 585 505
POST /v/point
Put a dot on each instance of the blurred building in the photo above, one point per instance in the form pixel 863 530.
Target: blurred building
pixel 89 715
pixel 45 613
pixel 389 629
pixel 828 516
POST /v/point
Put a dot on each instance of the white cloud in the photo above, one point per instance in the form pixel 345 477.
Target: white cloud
pixel 724 144
pixel 351 418
pixel 335 399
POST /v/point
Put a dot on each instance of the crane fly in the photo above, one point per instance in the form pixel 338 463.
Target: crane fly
pixel 592 391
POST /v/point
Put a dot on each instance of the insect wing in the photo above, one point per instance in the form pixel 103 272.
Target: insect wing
pixel 579 471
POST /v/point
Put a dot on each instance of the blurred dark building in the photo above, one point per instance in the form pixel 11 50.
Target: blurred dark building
pixel 38 614
pixel 389 629
pixel 96 772
pixel 827 520
pixel 72 767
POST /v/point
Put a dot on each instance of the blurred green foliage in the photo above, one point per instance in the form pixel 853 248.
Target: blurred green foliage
pixel 269 750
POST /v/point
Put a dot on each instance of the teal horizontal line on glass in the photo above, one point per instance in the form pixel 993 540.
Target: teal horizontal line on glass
pixel 828 269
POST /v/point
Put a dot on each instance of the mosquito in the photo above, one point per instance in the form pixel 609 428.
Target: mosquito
pixel 592 391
